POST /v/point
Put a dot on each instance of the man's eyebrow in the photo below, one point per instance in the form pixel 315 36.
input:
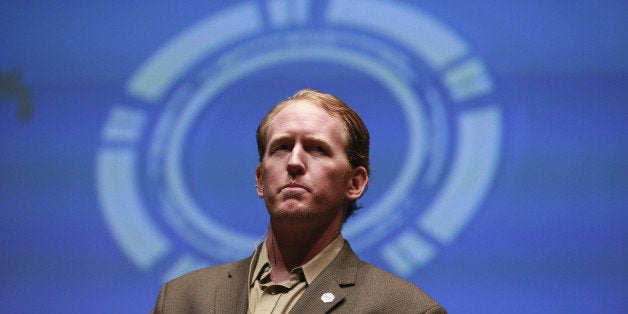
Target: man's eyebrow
pixel 317 139
pixel 308 138
pixel 279 137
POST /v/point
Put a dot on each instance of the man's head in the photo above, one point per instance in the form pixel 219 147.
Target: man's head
pixel 353 137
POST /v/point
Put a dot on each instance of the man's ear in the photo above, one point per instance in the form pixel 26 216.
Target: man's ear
pixel 258 181
pixel 357 182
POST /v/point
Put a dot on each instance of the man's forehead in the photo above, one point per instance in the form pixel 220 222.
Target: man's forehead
pixel 306 118
pixel 304 113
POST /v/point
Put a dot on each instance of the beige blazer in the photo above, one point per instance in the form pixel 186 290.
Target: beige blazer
pixel 356 286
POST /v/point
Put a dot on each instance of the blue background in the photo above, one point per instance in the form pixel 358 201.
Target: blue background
pixel 551 235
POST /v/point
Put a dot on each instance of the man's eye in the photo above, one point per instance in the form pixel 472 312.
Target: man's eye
pixel 282 147
pixel 320 149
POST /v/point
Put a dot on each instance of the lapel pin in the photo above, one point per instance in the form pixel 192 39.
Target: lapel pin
pixel 327 297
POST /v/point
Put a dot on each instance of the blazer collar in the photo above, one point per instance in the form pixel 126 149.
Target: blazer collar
pixel 233 295
pixel 340 273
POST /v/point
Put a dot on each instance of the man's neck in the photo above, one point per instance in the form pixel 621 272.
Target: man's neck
pixel 291 247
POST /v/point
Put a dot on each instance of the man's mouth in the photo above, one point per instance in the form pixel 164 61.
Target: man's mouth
pixel 293 187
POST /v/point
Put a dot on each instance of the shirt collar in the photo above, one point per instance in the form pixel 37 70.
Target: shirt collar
pixel 311 269
pixel 315 266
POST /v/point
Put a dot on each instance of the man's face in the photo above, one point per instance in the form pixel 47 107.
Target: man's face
pixel 305 174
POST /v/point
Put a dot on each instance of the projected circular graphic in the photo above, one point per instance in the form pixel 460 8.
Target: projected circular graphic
pixel 170 206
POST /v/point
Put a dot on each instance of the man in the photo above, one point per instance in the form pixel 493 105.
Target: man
pixel 314 166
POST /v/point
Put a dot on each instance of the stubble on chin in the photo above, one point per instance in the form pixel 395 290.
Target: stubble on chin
pixel 289 210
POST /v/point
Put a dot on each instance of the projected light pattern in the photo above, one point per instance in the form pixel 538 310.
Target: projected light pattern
pixel 431 42
pixel 189 72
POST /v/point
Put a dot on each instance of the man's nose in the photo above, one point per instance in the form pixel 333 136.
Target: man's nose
pixel 296 164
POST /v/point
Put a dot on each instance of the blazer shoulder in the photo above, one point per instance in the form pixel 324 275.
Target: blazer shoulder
pixel 210 275
pixel 207 290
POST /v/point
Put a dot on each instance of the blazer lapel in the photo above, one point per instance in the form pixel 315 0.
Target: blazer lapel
pixel 320 298
pixel 326 292
pixel 232 296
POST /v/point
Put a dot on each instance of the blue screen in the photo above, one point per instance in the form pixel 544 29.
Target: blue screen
pixel 500 162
